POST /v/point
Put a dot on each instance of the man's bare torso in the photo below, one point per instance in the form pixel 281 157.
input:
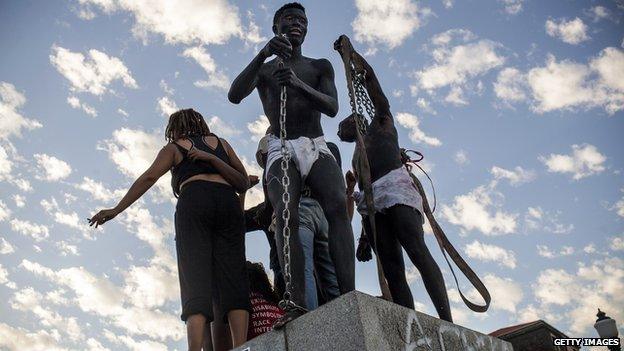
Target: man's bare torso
pixel 302 119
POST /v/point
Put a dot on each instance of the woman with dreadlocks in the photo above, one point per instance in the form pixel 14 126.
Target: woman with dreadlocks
pixel 209 223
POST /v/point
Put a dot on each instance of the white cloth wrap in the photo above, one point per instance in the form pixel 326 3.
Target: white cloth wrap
pixel 394 188
pixel 303 151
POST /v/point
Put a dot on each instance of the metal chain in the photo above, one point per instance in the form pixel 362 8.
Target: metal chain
pixel 286 302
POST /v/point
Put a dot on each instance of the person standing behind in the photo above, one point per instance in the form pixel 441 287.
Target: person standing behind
pixel 209 223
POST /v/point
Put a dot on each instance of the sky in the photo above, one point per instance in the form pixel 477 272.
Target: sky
pixel 517 105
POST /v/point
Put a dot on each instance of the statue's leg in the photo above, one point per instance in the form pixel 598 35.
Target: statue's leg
pixel 275 191
pixel 388 249
pixel 407 226
pixel 327 184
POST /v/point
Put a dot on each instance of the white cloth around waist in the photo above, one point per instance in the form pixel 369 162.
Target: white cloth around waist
pixel 303 151
pixel 394 188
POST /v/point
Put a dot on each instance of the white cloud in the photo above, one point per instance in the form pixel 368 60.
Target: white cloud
pixel 454 66
pixel 139 221
pixel 506 293
pixel 425 106
pixel 619 207
pixel 6 247
pixel 599 12
pixel 98 191
pixel 516 177
pixel 216 79
pixel 416 135
pixel 12 122
pixel 222 128
pixel 571 32
pixel 584 161
pixel 388 22
pixel 258 127
pixel 15 339
pixel 578 294
pixel 5 212
pixel 6 165
pixel 447 3
pixel 616 243
pixel 567 85
pixel 461 157
pixel 51 168
pixel 546 252
pixel 167 106
pixel 4 275
pixel 134 345
pixel 512 7
pixel 589 249
pixel 510 85
pixel 93 74
pixel 38 232
pixel 132 151
pixel 20 201
pixel 211 22
pixel 151 286
pixel 66 249
pixel 255 195
pixel 74 102
pixel 479 210
pixel 29 300
pixel 70 219
pixel 491 253
pixel 537 219
pixel 125 114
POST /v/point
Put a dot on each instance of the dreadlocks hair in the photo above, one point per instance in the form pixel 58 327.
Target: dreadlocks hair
pixel 290 5
pixel 259 282
pixel 186 123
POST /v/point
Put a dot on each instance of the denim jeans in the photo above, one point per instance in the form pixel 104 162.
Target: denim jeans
pixel 313 230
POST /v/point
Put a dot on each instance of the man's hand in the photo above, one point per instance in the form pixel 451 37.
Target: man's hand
pixel 364 252
pixel 286 76
pixel 351 181
pixel 253 180
pixel 278 45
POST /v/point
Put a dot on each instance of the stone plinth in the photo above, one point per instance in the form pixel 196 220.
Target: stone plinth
pixel 360 322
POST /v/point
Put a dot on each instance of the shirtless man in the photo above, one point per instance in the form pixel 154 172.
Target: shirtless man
pixel 399 210
pixel 311 91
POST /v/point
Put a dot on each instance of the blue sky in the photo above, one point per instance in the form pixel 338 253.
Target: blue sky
pixel 516 104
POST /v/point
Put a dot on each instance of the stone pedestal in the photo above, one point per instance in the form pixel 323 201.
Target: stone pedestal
pixel 360 322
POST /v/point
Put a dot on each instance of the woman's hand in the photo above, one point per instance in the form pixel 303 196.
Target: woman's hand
pixel 102 217
pixel 351 181
pixel 198 155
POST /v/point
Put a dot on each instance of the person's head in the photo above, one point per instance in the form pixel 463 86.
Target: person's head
pixel 259 282
pixel 347 129
pixel 291 20
pixel 186 123
pixel 336 152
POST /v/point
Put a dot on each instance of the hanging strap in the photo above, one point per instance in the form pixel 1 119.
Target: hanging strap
pixel 445 244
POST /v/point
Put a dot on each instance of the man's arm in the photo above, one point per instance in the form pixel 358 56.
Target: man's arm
pixel 247 80
pixel 325 99
pixel 382 107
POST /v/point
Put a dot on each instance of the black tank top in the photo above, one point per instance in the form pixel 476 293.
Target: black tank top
pixel 187 168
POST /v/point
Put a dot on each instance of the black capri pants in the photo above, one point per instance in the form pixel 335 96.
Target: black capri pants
pixel 210 245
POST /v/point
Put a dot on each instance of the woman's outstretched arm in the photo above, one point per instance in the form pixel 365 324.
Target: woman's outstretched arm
pixel 163 162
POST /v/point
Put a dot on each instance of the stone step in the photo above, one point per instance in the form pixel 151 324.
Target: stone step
pixel 360 322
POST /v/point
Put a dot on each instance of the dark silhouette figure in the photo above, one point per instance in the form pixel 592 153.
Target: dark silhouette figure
pixel 398 225
pixel 311 92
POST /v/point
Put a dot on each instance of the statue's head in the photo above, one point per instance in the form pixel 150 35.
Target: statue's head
pixel 291 20
pixel 347 129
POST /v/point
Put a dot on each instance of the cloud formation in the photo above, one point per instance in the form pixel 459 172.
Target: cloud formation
pixel 584 161
pixel 416 135
pixel 572 32
pixel 93 74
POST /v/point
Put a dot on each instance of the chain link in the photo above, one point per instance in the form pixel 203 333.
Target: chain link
pixel 286 300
